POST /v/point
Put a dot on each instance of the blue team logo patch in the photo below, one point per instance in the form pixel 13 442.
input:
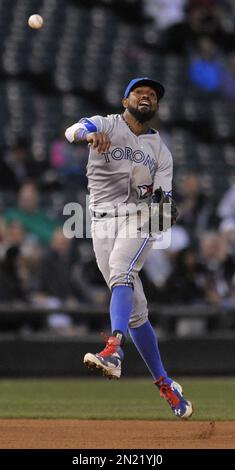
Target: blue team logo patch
pixel 144 191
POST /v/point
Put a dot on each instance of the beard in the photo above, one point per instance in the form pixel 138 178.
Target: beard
pixel 140 116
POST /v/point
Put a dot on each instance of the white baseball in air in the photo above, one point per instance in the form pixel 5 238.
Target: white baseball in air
pixel 35 21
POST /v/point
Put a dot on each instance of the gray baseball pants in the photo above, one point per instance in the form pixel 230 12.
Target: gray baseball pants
pixel 120 253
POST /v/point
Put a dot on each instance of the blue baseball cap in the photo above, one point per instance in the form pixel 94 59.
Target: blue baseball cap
pixel 145 81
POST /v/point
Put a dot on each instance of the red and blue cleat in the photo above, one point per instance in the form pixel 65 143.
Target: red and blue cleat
pixel 173 393
pixel 107 361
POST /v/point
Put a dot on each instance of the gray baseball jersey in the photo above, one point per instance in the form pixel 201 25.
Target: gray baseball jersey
pixel 128 173
pixel 133 167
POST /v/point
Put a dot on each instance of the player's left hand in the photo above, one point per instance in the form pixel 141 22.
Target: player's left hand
pixel 170 219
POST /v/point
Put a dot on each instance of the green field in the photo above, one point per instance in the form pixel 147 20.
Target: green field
pixel 213 399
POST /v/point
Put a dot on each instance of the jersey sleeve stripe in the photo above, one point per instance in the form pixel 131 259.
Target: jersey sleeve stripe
pixel 89 125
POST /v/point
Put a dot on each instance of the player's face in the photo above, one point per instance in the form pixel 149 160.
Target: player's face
pixel 142 103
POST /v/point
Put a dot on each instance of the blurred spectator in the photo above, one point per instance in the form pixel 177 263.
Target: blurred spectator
pixel 226 207
pixel 73 276
pixel 205 70
pixel 195 207
pixel 179 240
pixel 21 164
pixel 69 162
pixel 226 213
pixel 87 276
pixel 201 19
pixel 164 13
pixel 217 268
pixel 55 272
pixel 162 17
pixel 183 283
pixel 12 234
pixel 8 180
pixel 227 85
pixel 55 284
pixel 19 262
pixel 204 20
pixel 157 268
pixel 11 288
pixel 36 223
pixel 227 230
pixel 60 152
pixel 159 265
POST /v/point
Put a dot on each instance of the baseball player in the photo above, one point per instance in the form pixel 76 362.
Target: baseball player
pixel 129 169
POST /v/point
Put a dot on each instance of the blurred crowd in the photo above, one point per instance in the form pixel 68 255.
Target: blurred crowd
pixel 203 31
pixel 39 266
pixel 199 266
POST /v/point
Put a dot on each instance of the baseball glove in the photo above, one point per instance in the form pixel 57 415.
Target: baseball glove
pixel 166 217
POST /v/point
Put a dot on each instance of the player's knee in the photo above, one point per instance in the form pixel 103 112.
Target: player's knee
pixel 119 272
pixel 121 279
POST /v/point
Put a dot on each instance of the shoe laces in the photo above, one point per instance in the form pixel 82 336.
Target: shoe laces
pixel 112 343
pixel 167 392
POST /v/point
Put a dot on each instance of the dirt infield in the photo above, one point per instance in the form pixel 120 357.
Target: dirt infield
pixel 96 434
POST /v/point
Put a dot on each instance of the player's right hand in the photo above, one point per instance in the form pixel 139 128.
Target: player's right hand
pixel 99 141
